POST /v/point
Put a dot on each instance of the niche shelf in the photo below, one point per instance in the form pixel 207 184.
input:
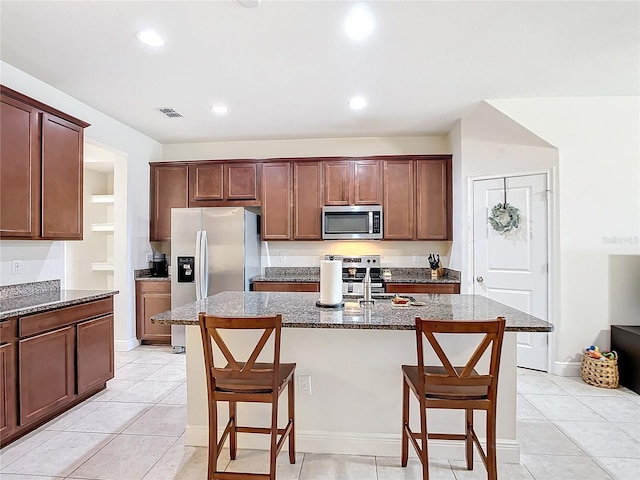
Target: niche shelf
pixel 102 266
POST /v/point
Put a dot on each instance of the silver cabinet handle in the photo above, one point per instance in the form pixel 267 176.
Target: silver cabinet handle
pixel 480 279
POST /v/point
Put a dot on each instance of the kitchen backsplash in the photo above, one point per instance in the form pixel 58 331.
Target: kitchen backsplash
pixel 393 254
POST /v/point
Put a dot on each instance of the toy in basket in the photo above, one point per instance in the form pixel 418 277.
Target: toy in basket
pixel 599 368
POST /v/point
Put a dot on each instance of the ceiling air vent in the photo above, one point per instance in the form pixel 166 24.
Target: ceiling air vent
pixel 170 112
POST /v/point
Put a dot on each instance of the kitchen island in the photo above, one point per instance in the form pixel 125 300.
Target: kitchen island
pixel 353 357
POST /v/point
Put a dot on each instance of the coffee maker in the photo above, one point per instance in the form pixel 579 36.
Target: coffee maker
pixel 158 266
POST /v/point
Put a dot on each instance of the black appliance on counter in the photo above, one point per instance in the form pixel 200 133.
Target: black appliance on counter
pixel 158 266
pixel 354 268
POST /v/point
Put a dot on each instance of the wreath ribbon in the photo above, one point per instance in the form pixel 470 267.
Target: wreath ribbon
pixel 504 218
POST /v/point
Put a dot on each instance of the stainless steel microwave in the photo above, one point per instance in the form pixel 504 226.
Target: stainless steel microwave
pixel 361 222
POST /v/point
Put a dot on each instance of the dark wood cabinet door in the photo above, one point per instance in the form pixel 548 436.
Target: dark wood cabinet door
pixel 152 297
pixel 169 189
pixel 95 353
pixel 398 208
pixel 367 182
pixel 62 144
pixel 337 182
pixel 205 184
pixel 241 181
pixel 47 373
pixel 8 399
pixel 19 170
pixel 307 200
pixel 434 200
pixel 276 201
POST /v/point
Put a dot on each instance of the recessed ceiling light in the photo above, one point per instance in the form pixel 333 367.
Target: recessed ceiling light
pixel 219 109
pixel 359 22
pixel 150 37
pixel 357 103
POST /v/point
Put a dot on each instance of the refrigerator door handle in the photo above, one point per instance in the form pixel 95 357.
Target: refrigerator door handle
pixel 204 265
pixel 198 265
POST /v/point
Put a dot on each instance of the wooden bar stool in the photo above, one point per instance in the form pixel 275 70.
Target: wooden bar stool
pixel 247 381
pixel 450 387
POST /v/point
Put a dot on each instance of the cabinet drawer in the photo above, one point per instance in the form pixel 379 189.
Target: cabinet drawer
pixel 7 330
pixel 41 322
pixel 449 288
pixel 153 286
pixel 286 287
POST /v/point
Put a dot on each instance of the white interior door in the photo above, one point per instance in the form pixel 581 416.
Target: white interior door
pixel 512 268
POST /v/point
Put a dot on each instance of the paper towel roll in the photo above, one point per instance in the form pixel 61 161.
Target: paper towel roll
pixel 330 282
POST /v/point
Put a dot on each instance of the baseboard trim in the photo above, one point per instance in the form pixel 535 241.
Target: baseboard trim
pixel 345 443
pixel 125 345
pixel 566 369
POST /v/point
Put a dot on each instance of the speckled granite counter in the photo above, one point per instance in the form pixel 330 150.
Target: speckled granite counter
pixel 23 299
pixel 145 274
pixel 299 310
pixel 398 275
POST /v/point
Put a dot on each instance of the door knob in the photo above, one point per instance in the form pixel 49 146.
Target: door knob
pixel 480 279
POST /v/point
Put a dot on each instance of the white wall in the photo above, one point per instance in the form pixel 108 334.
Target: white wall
pixel 41 260
pixel 599 207
pixel 139 149
pixel 314 147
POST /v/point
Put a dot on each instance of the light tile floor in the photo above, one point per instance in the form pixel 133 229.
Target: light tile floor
pixel 134 430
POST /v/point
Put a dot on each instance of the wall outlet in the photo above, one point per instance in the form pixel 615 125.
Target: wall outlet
pixel 283 256
pixel 416 258
pixel 304 384
pixel 16 266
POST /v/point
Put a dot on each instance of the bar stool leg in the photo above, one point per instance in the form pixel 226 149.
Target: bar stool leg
pixel 233 434
pixel 274 439
pixel 492 463
pixel 405 421
pixel 423 438
pixel 469 439
pixel 292 434
pixel 212 465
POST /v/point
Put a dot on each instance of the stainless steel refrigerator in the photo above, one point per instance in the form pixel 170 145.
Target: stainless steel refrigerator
pixel 212 250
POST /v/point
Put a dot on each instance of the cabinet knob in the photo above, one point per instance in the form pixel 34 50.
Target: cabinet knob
pixel 479 279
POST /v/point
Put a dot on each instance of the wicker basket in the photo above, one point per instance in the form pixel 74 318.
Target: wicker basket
pixel 600 373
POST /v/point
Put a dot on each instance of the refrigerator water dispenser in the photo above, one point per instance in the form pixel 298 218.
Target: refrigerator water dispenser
pixel 186 269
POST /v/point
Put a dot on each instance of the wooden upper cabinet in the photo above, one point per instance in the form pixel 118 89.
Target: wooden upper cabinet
pixel 169 189
pixel 241 181
pixel 41 166
pixel 352 182
pixel 367 182
pixel 62 164
pixel 398 204
pixel 307 200
pixel 337 182
pixel 276 201
pixel 19 170
pixel 211 183
pixel 205 183
pixel 434 199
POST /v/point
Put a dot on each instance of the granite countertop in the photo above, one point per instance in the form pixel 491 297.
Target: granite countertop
pixel 24 299
pixel 398 275
pixel 299 310
pixel 145 274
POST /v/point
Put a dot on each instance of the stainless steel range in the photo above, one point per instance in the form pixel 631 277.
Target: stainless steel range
pixel 354 268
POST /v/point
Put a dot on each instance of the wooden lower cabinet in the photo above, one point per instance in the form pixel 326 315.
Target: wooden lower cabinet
pixel 47 373
pixel 51 361
pixel 286 286
pixel 422 288
pixel 152 297
pixel 95 353
pixel 8 400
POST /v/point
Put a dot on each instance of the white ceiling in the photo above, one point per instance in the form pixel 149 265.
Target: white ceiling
pixel 286 69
